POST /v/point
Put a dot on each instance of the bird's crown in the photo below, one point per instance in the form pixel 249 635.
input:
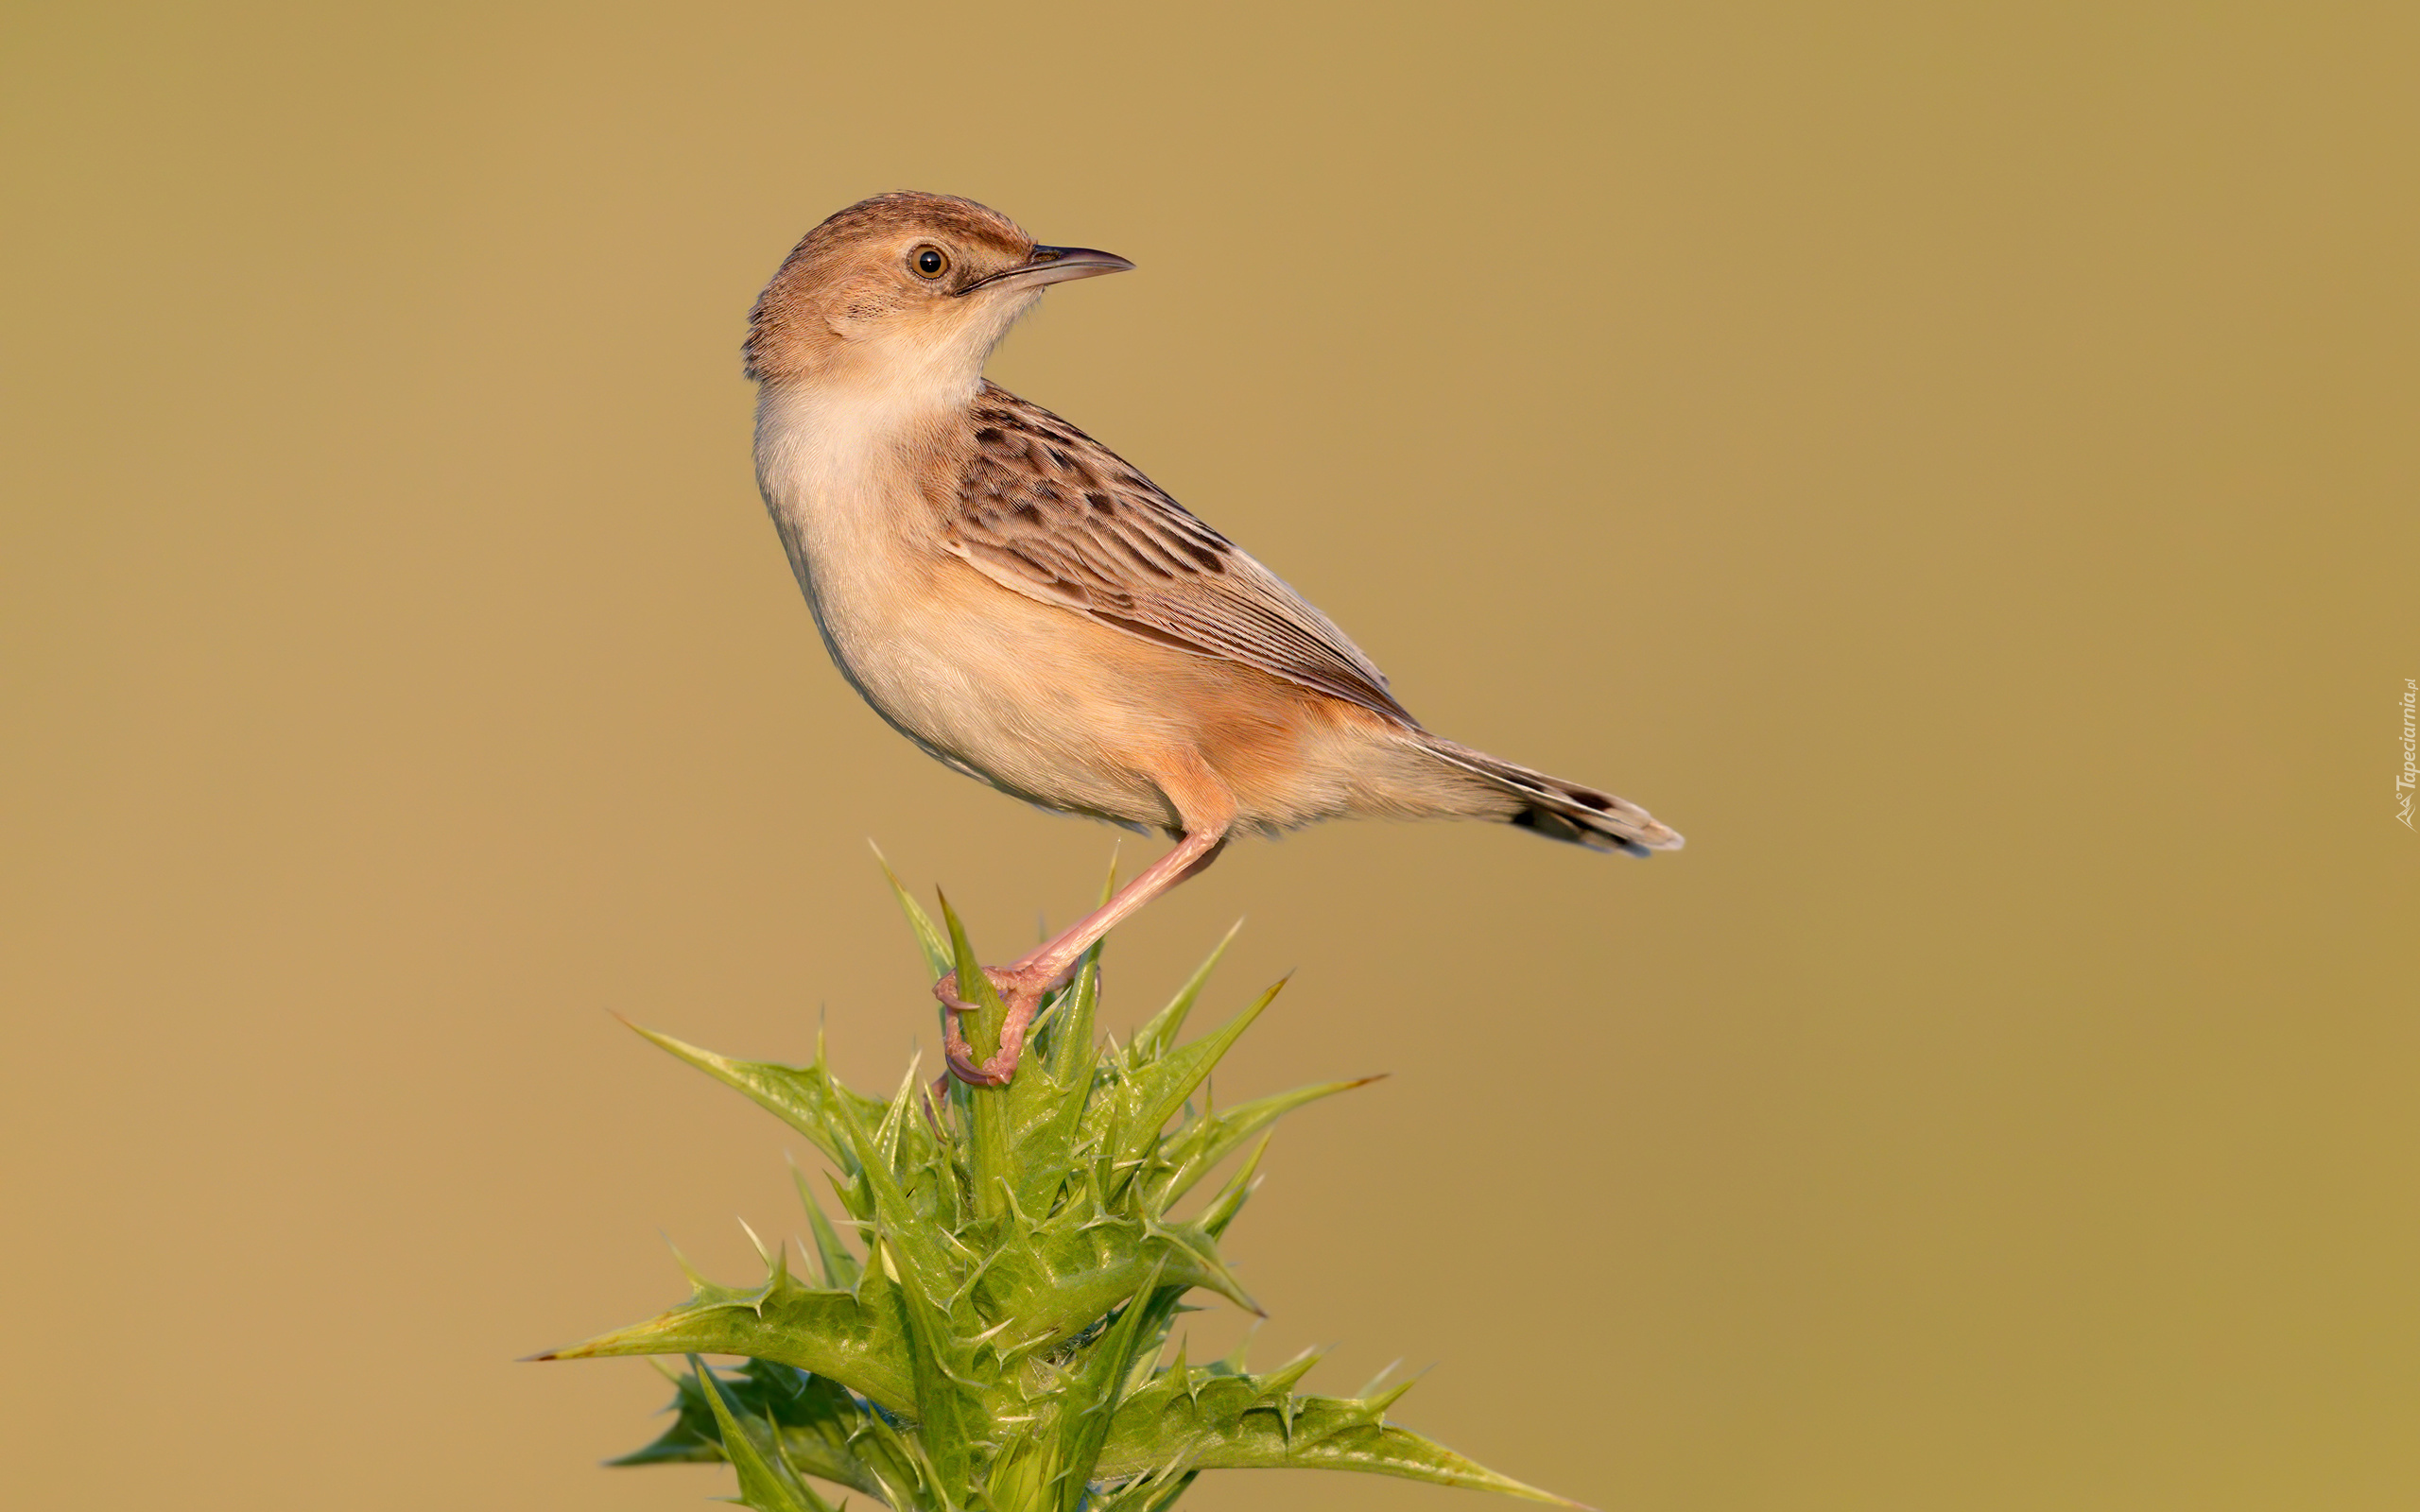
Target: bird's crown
pixel 904 273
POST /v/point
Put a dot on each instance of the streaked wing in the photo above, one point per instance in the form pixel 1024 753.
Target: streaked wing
pixel 1046 511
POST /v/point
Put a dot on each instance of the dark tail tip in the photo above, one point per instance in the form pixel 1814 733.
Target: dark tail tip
pixel 1557 825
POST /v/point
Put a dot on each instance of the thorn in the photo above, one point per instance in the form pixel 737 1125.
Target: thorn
pixel 1380 1377
pixel 688 1270
pixel 1379 1404
pixel 985 1336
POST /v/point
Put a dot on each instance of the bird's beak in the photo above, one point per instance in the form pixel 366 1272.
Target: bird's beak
pixel 1055 265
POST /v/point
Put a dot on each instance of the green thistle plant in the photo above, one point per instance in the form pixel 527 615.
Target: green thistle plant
pixel 997 1349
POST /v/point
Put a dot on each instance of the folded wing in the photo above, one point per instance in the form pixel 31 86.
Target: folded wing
pixel 1046 511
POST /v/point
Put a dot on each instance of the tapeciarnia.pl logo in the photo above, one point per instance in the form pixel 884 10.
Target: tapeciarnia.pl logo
pixel 2403 782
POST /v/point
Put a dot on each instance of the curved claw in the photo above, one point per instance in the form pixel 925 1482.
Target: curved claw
pixel 960 1055
pixel 1020 995
pixel 946 990
pixel 1021 999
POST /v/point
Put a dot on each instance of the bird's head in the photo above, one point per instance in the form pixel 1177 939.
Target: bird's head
pixel 905 289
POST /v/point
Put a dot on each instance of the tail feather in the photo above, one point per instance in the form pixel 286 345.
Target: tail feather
pixel 1560 810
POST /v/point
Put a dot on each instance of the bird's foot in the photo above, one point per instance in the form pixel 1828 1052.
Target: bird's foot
pixel 1020 988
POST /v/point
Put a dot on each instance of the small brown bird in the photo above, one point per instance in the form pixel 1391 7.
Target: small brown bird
pixel 1018 600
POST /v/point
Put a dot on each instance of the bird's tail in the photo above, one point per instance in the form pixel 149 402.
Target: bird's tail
pixel 1556 809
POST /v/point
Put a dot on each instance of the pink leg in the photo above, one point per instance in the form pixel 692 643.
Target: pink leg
pixel 1021 984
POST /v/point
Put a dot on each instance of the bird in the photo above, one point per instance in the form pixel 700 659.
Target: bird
pixel 1033 611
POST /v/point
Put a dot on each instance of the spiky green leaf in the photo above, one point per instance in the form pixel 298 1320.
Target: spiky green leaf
pixel 1149 1493
pixel 1210 1420
pixel 1046 1147
pixel 991 1129
pixel 953 1428
pixel 1195 1150
pixel 919 1245
pixel 1155 1092
pixel 833 1334
pixel 805 1097
pixel 1057 1282
pixel 1158 1034
pixel 929 940
pixel 836 1265
pixel 1088 1399
pixel 816 1419
pixel 767 1480
pixel 692 1439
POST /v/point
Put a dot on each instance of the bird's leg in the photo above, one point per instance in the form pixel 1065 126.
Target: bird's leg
pixel 1022 982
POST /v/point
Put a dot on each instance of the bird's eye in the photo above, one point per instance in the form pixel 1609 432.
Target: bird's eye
pixel 929 262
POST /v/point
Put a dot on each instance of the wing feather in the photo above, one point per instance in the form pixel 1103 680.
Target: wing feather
pixel 1046 511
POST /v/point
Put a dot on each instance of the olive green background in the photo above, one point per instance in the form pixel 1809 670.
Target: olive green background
pixel 1958 468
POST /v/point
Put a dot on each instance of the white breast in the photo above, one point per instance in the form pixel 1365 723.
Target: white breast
pixel 833 467
pixel 966 669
